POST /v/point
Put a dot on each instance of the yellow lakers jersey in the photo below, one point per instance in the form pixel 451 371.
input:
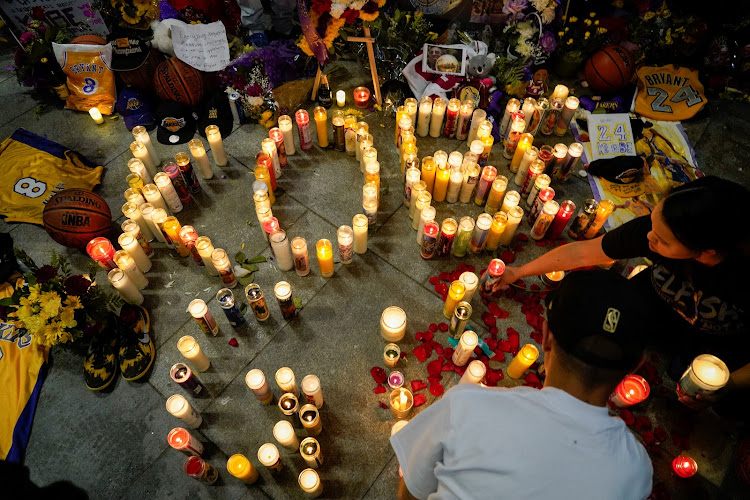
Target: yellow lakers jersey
pixel 668 93
pixel 33 169
pixel 90 78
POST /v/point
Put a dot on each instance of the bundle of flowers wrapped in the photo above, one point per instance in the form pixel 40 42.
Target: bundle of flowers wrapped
pixel 329 16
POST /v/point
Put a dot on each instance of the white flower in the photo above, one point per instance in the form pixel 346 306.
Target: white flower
pixel 548 14
pixel 358 4
pixel 524 49
pixel 525 30
pixel 255 101
pixel 539 5
pixel 337 10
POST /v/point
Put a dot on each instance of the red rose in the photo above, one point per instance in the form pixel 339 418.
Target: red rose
pixel 129 314
pixel 45 273
pixel 77 285
pixel 378 374
pixel 350 15
pixel 38 13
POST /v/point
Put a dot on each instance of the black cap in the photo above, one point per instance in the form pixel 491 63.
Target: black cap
pixel 598 317
pixel 215 110
pixel 128 52
pixel 176 123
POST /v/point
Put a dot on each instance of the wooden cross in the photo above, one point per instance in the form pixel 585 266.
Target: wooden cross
pixel 369 40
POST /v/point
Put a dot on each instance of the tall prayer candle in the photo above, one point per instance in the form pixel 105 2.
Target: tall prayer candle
pixel 205 248
pixel 178 407
pixel 285 125
pixel 684 467
pixel 140 152
pixel 102 251
pixel 303 127
pixel 429 168
pixel 181 440
pixel 256 380
pixel 540 110
pixel 423 121
pixel 213 135
pixel 543 222
pixel 409 149
pixel 465 229
pixel 321 126
pixel 126 263
pixel 132 227
pixel 372 174
pixel 560 156
pixel 512 198
pixel 325 257
pixel 491 277
pixel 563 216
pixel 632 390
pixel 240 467
pixel 391 355
pixel 350 135
pixel 301 258
pixel 198 151
pixel 269 147
pixel 527 109
pixel 479 235
pixel 309 481
pixel 489 173
pixel 575 150
pixel 310 419
pixel 410 106
pixel 441 183
pixel 277 137
pixel 571 105
pixel 447 234
pixel 134 196
pixel 454 185
pixel 526 357
pixel 128 243
pixel 553 114
pixel 429 238
pixel 466 345
pixel 705 375
pixel 428 214
pixel 361 97
pixel 536 168
pixel 220 260
pixel 470 281
pixel 438 113
pixel 284 433
pixel 188 235
pixel 471 177
pixel 464 119
pixel 517 127
pixel 312 391
pixel 172 228
pixel 153 196
pixel 602 212
pixel 474 373
pixel 393 324
pixel 199 469
pixel 131 211
pixel 497 192
pixel 499 221
pixel 269 456
pixel 417 188
pixel 137 167
pixel 141 134
pixel 127 289
pixel 200 313
pixel 542 181
pixel 524 143
pixel 345 236
pixel 168 192
pixel 512 107
pixel 515 214
pixel 184 376
pixel 282 250
pixel 456 293
pixel 286 380
pixel 360 226
pixel 477 117
pixel 423 200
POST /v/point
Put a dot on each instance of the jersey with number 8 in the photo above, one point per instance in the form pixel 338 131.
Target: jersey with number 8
pixel 668 93
pixel 90 79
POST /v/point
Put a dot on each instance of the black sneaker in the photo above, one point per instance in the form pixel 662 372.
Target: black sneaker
pixel 100 364
pixel 137 350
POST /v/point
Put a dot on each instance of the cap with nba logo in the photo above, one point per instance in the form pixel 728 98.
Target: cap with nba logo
pixel 600 318
pixel 136 108
pixel 215 110
pixel 129 52
pixel 176 123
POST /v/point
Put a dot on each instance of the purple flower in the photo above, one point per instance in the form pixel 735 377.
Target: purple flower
pixel 514 8
pixel 547 42
pixel 26 37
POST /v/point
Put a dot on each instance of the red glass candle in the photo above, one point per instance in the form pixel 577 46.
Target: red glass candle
pixel 546 154
pixel 451 118
pixel 567 208
pixel 429 240
pixel 271 226
pixel 684 466
pixel 545 194
pixel 103 252
pixel 492 275
pixel 178 182
pixel 188 236
pixel 264 159
pixel 181 440
pixel 277 136
pixel 632 390
pixel 303 127
pixel 361 97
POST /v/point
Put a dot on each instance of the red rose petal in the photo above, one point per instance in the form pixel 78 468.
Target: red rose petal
pixel 233 342
pixel 522 237
pixel 419 400
pixel 648 437
pixel 627 417
pixel 504 345
pixel 444 276
pixel 419 336
pixel 439 349
pixel 513 338
pixel 378 374
pixel 435 366
pixel 535 287
pixel 499 356
pixel 417 385
pixel 433 327
pixel 442 288
pixel 383 405
pixel 434 378
pixel 435 280
pixel 444 297
pixel 489 319
pixel 503 314
pixel 449 366
pixel 427 336
pixel 379 389
pixel 494 309
pixel 493 331
pixel 443 327
pixel 660 434
pixel 532 378
pixel 492 377
pixel 518 248
pixel 462 267
pixel 508 257
pixel 542 243
pixel 436 389
pixel 421 352
pixel 491 343
pixel 643 424
pixel 448 353
pixel 455 275
pixel 460 370
pixel 402 356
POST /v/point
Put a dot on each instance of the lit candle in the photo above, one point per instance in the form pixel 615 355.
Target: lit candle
pixel 269 147
pixel 368 153
pixel 220 261
pixel 535 170
pixel 127 264
pixel 512 198
pixel 137 167
pixel 213 135
pixel 524 143
pixel 409 149
pixel 552 279
pixel 393 324
pixel 269 456
pixel 205 248
pixel 96 115
pixel 542 181
pixel 168 192
pixel 311 453
pixel 128 243
pixel 141 153
pixel 632 390
pixel 346 242
pixel 131 211
pixel 481 229
pixel 447 234
pixel 282 251
pixel 200 313
pixel 454 185
pixel 416 188
pixel 372 174
pixel 257 301
pixel 361 97
pixel 464 119
pixel 339 135
pixel 256 381
pixel 310 419
pixel 429 168
pixel 497 192
pixel 487 142
pixel 178 407
pixel 522 361
pixel 263 174
pixel 470 281
pixel 429 238
pixel 153 196
pixel 560 92
pixel 402 402
pixel 460 319
pixel 563 216
pixel 395 379
pixel 391 355
pixel 456 293
pixel 706 374
pixel 438 113
pixel 350 135
pixel 181 440
pixel 512 107
pixel 465 348
pixel 134 196
pixel 201 470
pixel 465 229
pixel 477 117
pixel 427 215
pixel 283 432
pixel 190 349
pixel 102 251
pixel 489 173
pixel 474 373
pixel 423 201
pixel 286 380
pixel 566 168
pixel 134 181
pixel 491 277
pixel 411 105
pixel 499 221
pixel 582 220
pixel 515 214
pixel 571 105
pixel 545 195
pixel 321 125
pixel 451 120
pixel 302 118
pixel 560 154
pixel 423 121
pixel 543 222
pixel 516 130
pixel 527 109
pixel 684 467
pixel 370 202
pixel 277 137
pixel 184 376
pixel 341 98
pixel 240 467
pixel 441 183
pixel 312 390
pixel 602 212
pixel 553 114
pixel 283 292
pixel 127 289
pixel 132 227
pixel 141 134
pixel 403 125
pixel 310 483
pixel 226 301
pixel 540 109
pixel 188 236
pixel 359 226
pixel 301 259
pixel 201 158
pixel 471 176
pixel 171 228
pixel 285 125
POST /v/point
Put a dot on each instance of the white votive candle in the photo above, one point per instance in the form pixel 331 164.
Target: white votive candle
pixel 425 112
pixel 286 381
pixel 137 167
pixel 213 134
pixel 283 432
pixel 189 348
pixel 164 183
pixel 282 250
pixel 126 262
pixel 312 390
pixel 465 348
pixel 147 211
pixel 340 98
pixel 438 113
pixel 140 152
pixel 96 115
pixel 477 117
pixel 470 281
pixel 269 456
pixel 393 324
pixel 256 381
pixel 285 125
pixel 126 288
pixel 178 407
pixel 198 151
pixel 205 249
pixel 141 134
pixel 309 481
pixel 153 196
pixel 128 243
pixel 360 226
pixel 474 373
pixel 515 215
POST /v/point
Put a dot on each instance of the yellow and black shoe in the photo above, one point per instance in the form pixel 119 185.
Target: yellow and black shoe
pixel 100 364
pixel 137 350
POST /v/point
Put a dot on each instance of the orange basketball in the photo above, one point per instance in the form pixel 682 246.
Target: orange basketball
pixel 609 69
pixel 143 76
pixel 176 81
pixel 73 217
pixel 89 40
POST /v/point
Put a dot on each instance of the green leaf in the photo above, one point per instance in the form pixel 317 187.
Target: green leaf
pixel 250 267
pixel 243 307
pixel 297 303
pixel 7 301
pixel 256 260
pixel 246 280
pixel 240 257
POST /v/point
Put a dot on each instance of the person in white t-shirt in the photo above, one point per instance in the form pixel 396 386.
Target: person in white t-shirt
pixel 558 442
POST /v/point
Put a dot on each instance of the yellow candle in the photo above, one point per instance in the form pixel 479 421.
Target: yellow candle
pixel 602 212
pixel 428 172
pixel 241 468
pixel 441 183
pixel 456 294
pixel 262 174
pixel 499 221
pixel 401 113
pixel 523 360
pixel 321 124
pixel 96 115
pixel 325 257
pixel 487 142
pixel 172 228
pixel 402 401
pixel 497 192
pixel 524 143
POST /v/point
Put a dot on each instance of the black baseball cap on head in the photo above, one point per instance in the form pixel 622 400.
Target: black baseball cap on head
pixel 176 123
pixel 598 317
pixel 215 110
pixel 128 52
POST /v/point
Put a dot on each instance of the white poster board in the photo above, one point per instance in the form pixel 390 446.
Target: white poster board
pixel 202 46
pixel 63 13
pixel 611 135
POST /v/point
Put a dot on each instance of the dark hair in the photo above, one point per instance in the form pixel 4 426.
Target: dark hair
pixel 708 214
pixel 589 376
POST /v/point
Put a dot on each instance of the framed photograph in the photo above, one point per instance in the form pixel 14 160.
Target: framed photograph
pixel 444 60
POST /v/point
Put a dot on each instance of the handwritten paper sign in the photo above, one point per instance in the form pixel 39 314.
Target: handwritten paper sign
pixel 611 135
pixel 202 46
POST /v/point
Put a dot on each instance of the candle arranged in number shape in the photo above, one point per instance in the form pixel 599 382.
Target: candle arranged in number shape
pixel 471 176
pixel 438 113
pixel 455 295
pixel 391 355
pixel 321 125
pixel 460 319
pixel 137 167
pixel 312 390
pixel 511 108
pixel 184 376
pixel 309 480
pixel 499 221
pixel 131 227
pixel 220 261
pixel 288 404
pixel 360 226
pixel 283 292
pixel 283 432
pixel 269 456
pixel 479 235
pixel 102 251
pixel 140 152
pixel 489 173
pixel 545 195
pixel 515 215
pixel 126 262
pixel 256 380
pixel 286 127
pixel 447 234
pixel 428 214
pixel 282 250
pixel 496 195
pixel 226 301
pixel 301 257
pixel 463 237
pixel 311 453
pixel 190 349
pixel 310 419
pixel 303 127
pixel 425 112
pixel 200 313
pixel 429 237
pixel 345 236
pixel 286 380
pixel 213 135
pixel 542 181
pixel 127 289
pixel 201 470
pixel 465 348
pixel 567 209
pixel 178 407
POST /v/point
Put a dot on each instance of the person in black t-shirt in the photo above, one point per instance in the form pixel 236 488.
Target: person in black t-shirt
pixel 698 238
